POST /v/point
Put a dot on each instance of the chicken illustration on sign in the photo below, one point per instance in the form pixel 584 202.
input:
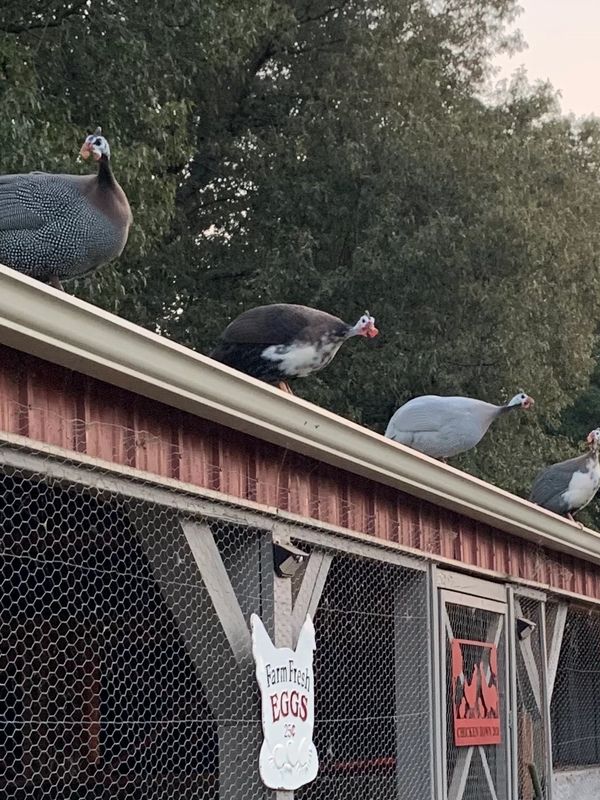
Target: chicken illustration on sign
pixel 475 696
pixel 288 758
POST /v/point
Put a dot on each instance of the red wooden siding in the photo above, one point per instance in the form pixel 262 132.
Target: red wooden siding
pixel 63 408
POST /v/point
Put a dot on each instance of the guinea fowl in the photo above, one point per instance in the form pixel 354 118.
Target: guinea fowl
pixel 276 342
pixel 442 427
pixel 569 486
pixel 55 227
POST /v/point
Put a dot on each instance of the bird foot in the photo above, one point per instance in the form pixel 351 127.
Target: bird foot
pixel 572 518
pixel 284 387
pixel 55 283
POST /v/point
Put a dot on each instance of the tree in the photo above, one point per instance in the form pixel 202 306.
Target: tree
pixel 335 153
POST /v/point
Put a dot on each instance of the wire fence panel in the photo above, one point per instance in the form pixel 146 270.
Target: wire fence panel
pixel 126 669
pixel 478 771
pixel 373 714
pixel 532 754
pixel 575 707
pixel 116 677
pixel 125 661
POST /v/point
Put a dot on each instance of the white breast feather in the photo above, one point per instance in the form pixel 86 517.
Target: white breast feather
pixel 300 360
pixel 582 487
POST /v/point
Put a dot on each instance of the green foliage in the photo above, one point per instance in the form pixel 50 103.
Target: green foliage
pixel 336 154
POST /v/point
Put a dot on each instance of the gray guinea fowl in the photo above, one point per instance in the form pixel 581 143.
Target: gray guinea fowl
pixel 55 227
pixel 276 342
pixel 442 427
pixel 569 486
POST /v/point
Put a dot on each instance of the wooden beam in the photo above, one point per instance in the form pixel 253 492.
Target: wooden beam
pixel 282 593
pixel 469 585
pixel 311 589
pixel 217 583
pixel 460 773
pixel 555 645
pixel 526 754
pixel 488 774
pixel 284 636
pixel 529 660
pixel 213 630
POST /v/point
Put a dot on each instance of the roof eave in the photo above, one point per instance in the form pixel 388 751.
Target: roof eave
pixel 64 330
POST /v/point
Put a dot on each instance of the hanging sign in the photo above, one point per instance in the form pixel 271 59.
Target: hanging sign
pixel 288 758
pixel 475 695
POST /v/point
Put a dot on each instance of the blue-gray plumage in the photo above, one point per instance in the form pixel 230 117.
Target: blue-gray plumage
pixel 55 227
pixel 442 427
pixel 569 486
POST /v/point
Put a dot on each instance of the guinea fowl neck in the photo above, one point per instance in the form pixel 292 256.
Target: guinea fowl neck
pixel 106 178
pixel 348 331
pixel 507 407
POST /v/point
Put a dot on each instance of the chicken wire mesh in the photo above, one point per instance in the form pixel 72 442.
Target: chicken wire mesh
pixel 118 679
pixel 575 705
pixel 478 772
pixel 372 726
pixel 530 700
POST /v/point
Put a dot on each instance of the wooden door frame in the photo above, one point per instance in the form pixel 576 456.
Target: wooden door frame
pixel 470 592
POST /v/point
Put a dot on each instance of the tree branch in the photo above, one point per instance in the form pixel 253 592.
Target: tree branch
pixel 53 23
pixel 323 14
pixel 301 49
pixel 204 164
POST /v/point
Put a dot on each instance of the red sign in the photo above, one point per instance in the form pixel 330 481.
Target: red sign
pixel 475 696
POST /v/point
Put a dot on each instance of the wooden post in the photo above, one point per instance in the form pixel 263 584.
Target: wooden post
pixel 282 592
pixel 526 754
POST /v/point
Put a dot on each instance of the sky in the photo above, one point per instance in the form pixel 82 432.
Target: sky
pixel 563 38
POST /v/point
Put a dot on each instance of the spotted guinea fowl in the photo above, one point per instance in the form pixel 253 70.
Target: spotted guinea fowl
pixel 55 227
pixel 276 342
pixel 442 427
pixel 569 486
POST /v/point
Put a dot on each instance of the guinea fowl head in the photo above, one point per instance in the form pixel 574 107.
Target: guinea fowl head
pixel 521 400
pixel 364 327
pixel 95 145
pixel 593 439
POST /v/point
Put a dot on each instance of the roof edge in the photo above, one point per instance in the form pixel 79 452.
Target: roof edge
pixel 64 330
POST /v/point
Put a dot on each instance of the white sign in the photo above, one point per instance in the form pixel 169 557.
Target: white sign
pixel 288 758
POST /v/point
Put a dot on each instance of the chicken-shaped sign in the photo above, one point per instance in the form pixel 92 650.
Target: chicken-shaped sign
pixel 288 758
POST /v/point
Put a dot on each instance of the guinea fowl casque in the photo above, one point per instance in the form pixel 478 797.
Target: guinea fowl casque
pixel 55 226
pixel 442 427
pixel 276 342
pixel 569 486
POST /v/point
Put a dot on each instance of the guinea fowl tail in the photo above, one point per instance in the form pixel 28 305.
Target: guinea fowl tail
pixel 217 353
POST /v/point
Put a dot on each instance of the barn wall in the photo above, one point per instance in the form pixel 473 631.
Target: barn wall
pixel 63 408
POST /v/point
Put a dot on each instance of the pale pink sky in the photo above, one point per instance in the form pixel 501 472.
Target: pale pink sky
pixel 564 47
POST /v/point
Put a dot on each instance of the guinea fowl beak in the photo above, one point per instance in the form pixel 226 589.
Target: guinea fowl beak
pixel 371 331
pixel 86 150
pixel 529 403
